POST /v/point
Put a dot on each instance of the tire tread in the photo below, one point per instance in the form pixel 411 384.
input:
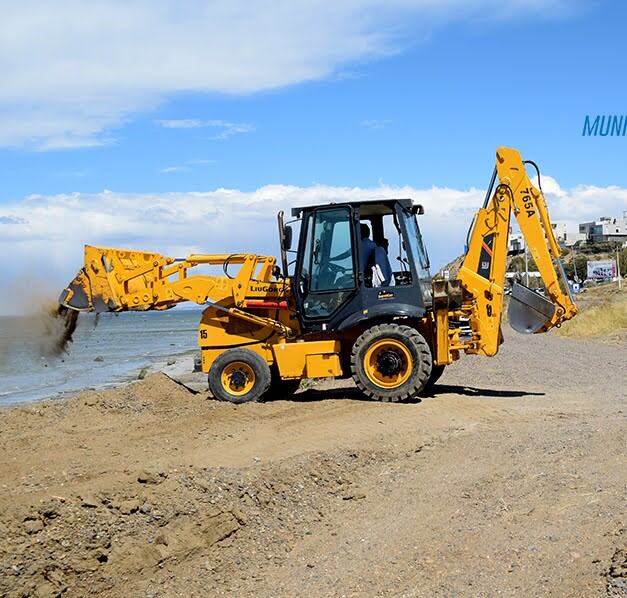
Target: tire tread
pixel 255 361
pixel 422 366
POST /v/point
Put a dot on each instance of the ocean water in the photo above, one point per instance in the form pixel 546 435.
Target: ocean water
pixel 105 352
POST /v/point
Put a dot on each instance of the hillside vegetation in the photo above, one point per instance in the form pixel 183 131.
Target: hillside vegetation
pixel 578 257
pixel 574 259
pixel 602 312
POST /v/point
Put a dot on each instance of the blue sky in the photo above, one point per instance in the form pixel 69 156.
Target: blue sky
pixel 430 114
pixel 145 98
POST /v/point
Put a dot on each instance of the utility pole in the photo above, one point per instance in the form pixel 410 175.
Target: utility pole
pixel 618 268
pixel 526 267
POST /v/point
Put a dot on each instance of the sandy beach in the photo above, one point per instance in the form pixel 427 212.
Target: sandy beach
pixel 512 484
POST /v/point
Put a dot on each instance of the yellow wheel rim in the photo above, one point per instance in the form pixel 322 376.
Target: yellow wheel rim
pixel 388 363
pixel 238 378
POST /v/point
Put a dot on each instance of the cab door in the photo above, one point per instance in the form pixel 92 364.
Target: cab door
pixel 326 273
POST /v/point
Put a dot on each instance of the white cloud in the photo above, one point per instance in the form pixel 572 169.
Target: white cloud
pixel 44 235
pixel 202 161
pixel 375 123
pixel 170 169
pixel 225 129
pixel 188 166
pixel 181 123
pixel 73 71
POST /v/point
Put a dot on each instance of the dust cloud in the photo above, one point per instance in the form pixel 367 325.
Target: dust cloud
pixel 38 321
pixel 57 325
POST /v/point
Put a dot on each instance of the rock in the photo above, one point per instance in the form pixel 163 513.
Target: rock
pixel 142 374
pixel 354 494
pixel 150 476
pixel 99 359
pixel 84 564
pixel 203 485
pixel 49 511
pixel 133 556
pixel 129 506
pixel 219 527
pixel 54 576
pixel 171 362
pixel 618 567
pixel 162 539
pixel 90 501
pixel 241 517
pixel 46 590
pixel 33 526
pixel 247 499
pixel 188 534
pixel 100 555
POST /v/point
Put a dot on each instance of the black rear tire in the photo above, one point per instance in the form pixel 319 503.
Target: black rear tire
pixel 239 376
pixel 391 362
pixel 436 373
pixel 281 389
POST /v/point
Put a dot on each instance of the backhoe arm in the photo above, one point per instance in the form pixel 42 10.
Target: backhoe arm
pixel 482 274
pixel 121 280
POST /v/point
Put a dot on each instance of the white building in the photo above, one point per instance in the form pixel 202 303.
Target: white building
pixel 516 241
pixel 559 230
pixel 565 238
pixel 605 229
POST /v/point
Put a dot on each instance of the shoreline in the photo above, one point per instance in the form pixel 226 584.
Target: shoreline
pixel 182 371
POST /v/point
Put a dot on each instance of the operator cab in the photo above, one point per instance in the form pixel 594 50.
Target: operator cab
pixel 357 261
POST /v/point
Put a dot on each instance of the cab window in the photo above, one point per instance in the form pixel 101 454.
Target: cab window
pixel 328 269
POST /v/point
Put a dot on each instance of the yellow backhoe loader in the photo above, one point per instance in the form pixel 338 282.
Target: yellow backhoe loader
pixel 357 299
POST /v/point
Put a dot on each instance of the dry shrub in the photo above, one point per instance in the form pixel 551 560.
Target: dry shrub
pixel 600 319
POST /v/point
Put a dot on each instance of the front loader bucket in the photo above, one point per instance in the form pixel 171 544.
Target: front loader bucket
pixel 528 311
pixel 78 296
pixel 90 289
pixel 116 280
pixel 75 297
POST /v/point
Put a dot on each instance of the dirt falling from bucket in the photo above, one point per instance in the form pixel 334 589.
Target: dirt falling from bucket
pixel 58 324
pixel 39 326
pixel 69 318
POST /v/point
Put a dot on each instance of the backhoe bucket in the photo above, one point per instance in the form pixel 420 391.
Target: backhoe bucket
pixel 528 311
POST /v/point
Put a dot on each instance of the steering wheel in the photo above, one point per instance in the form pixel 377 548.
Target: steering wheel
pixel 335 268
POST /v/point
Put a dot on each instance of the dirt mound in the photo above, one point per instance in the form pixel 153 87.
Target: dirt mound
pixel 88 542
pixel 130 525
pixel 151 489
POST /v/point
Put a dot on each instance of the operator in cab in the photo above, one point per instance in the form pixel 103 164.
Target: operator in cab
pixel 375 258
pixel 367 247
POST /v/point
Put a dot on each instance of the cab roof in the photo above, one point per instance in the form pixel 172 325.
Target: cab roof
pixel 370 207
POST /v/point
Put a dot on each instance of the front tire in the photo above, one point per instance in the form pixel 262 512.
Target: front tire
pixel 390 362
pixel 239 376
